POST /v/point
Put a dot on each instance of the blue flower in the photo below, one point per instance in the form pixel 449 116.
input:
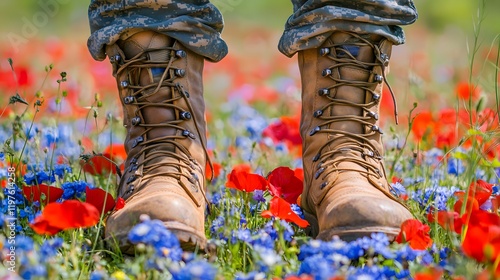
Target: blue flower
pixel 98 275
pixel 258 195
pixel 297 210
pixel 60 169
pixel 455 166
pixel 74 189
pixel 288 233
pixel 318 267
pixel 243 235
pixel 195 270
pixel 216 224
pixel 49 247
pixel 154 233
pixel 36 271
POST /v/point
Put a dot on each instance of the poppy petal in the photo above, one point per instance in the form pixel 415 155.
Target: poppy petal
pixel 102 200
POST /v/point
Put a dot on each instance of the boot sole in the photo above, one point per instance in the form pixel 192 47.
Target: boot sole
pixel 188 238
pixel 352 233
pixel 345 233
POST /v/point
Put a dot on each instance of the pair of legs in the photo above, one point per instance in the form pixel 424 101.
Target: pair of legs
pixel 157 50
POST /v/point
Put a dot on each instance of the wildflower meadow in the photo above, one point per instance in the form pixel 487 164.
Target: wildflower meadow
pixel 61 155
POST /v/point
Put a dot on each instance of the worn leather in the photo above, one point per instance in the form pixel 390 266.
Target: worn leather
pixel 164 175
pixel 346 192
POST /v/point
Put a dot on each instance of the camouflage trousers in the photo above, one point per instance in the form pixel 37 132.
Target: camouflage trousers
pixel 197 24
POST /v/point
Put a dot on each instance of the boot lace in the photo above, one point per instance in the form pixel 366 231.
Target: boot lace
pixel 147 162
pixel 344 55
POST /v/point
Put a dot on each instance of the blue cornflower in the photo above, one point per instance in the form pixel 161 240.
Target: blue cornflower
pixel 263 239
pixel 455 166
pixel 242 235
pixel 42 176
pixel 434 196
pixel 154 233
pixel 195 270
pixel 269 229
pixel 30 178
pixel 50 135
pixel 312 248
pixel 365 273
pixel 297 210
pixel 269 257
pixel 74 189
pixel 433 156
pixel 49 247
pixel 258 195
pixel 398 189
pixel 252 275
pixel 60 169
pixel 216 198
pixel 35 271
pixel 318 267
pixel 216 224
pixel 243 219
pixel 288 233
pixel 98 275
pixel 379 243
pixel 406 253
pixel 24 243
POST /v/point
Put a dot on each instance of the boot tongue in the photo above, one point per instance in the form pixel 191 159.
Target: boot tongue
pixel 132 46
pixel 142 41
pixel 361 53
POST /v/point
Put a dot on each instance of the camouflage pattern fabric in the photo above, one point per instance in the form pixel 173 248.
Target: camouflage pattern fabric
pixel 197 24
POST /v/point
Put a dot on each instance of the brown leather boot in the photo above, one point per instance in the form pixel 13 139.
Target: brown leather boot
pixel 346 192
pixel 160 86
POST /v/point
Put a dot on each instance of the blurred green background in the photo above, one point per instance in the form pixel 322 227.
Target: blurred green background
pixel 436 15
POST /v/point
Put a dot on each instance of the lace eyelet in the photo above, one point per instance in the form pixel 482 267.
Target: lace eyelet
pixel 318 173
pixel 185 115
pixel 128 99
pixel 318 113
pixel 326 72
pixel 124 84
pixel 131 179
pixel 324 51
pixel 180 72
pixel 323 92
pixel 137 141
pixel 314 130
pixel 136 121
pixel 180 54
pixel 373 115
pixel 378 78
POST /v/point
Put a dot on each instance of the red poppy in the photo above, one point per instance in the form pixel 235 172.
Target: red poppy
pixel 241 179
pixel 279 208
pixel 99 165
pixel 447 219
pixel 34 193
pixel 69 214
pixel 479 192
pixel 102 200
pixel 284 130
pixel 431 273
pixel 216 171
pixel 284 183
pixel 465 90
pixel 482 243
pixel 423 125
pixel 116 152
pixel 120 203
pixel 415 233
